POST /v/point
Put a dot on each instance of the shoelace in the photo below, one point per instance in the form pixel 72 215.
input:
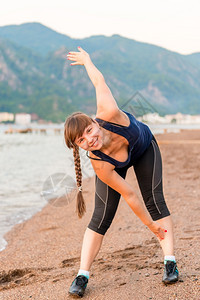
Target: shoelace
pixel 81 280
pixel 170 267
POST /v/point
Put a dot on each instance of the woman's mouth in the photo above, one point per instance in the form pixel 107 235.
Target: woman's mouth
pixel 95 143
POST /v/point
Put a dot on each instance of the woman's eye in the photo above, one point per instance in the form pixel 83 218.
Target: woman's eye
pixel 80 141
pixel 89 129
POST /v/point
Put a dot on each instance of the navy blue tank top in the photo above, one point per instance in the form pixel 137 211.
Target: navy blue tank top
pixel 138 135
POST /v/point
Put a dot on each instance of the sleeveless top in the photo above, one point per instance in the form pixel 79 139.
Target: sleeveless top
pixel 138 135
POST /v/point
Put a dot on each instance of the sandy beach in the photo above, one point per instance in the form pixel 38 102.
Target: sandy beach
pixel 42 256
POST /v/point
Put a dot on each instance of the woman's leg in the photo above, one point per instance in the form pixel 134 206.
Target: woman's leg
pixel 106 203
pixel 167 243
pixel 91 245
pixel 148 171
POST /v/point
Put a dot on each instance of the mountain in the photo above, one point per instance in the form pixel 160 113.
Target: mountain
pixel 36 77
pixel 194 58
pixel 35 36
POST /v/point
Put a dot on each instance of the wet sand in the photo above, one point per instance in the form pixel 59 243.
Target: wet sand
pixel 43 253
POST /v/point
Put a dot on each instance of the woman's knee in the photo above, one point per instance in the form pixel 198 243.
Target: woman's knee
pixel 156 206
pixel 99 226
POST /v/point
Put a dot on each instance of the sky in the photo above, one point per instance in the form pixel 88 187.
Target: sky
pixel 172 24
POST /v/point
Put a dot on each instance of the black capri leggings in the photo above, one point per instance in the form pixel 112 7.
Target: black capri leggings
pixel 148 170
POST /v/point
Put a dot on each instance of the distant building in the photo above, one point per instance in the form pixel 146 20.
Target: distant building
pixel 153 118
pixel 5 117
pixel 183 119
pixel 34 117
pixel 179 118
pixel 22 119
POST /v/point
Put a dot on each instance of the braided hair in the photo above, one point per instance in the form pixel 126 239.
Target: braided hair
pixel 74 127
pixel 80 203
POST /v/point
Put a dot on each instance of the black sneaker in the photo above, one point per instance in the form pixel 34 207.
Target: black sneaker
pixel 170 272
pixel 78 286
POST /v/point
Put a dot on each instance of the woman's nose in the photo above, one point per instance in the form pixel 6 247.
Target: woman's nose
pixel 90 139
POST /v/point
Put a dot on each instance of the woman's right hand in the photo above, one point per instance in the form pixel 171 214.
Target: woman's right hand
pixel 79 58
pixel 158 230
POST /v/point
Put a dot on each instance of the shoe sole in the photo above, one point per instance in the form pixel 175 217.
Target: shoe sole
pixel 75 295
pixel 170 282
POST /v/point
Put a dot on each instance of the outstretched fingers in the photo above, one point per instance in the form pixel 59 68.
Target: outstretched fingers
pixel 72 56
pixel 75 64
pixel 79 58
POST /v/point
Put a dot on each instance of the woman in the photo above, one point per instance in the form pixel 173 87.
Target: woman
pixel 114 142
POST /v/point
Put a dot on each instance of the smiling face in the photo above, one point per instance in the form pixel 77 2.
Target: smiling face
pixel 91 139
pixel 81 130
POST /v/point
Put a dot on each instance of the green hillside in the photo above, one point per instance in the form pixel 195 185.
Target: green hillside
pixel 35 36
pixel 35 76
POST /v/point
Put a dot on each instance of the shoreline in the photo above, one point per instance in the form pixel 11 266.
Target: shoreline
pixel 157 131
pixel 5 237
pixel 160 141
pixel 42 255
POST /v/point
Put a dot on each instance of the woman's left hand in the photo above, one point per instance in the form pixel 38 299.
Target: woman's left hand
pixel 79 58
pixel 158 230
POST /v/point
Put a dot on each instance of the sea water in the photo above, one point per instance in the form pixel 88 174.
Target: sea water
pixel 30 162
pixel 27 161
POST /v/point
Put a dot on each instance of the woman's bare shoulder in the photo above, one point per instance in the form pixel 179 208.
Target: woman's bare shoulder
pixel 92 155
pixel 117 116
pixel 98 164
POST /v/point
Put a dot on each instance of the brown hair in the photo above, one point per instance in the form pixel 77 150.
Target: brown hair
pixel 75 125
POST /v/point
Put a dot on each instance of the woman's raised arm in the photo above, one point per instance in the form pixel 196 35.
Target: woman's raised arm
pixel 105 100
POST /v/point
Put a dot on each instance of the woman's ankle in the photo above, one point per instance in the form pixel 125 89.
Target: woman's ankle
pixel 84 273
